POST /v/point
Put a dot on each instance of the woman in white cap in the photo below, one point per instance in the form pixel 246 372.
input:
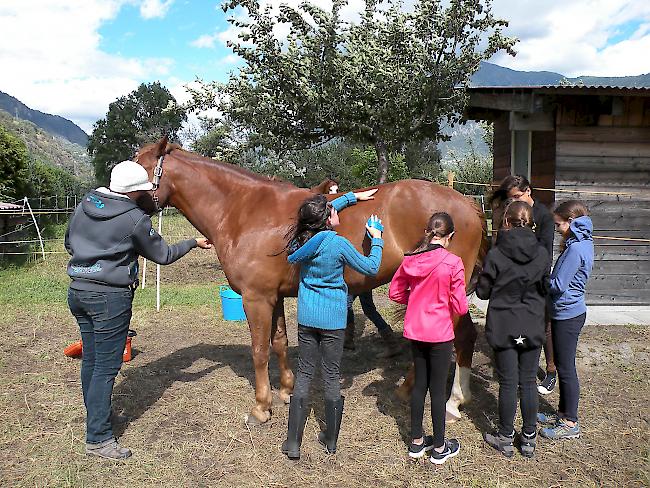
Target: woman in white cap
pixel 107 232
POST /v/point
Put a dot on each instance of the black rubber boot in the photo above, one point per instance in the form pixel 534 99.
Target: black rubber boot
pixel 297 417
pixel 348 340
pixel 333 416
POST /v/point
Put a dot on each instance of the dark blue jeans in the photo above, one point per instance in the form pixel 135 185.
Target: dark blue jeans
pixel 369 310
pixel 565 344
pixel 517 370
pixel 323 344
pixel 103 319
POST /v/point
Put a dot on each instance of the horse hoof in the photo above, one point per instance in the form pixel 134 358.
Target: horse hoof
pixel 253 420
pixel 279 400
pixel 452 415
pixel 285 397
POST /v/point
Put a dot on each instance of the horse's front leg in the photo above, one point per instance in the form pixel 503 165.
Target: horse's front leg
pixel 464 341
pixel 280 345
pixel 259 312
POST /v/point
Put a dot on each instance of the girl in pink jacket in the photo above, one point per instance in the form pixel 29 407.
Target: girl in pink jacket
pixel 431 282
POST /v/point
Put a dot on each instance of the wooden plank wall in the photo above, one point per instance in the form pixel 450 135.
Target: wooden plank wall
pixel 542 166
pixel 502 142
pixel 610 153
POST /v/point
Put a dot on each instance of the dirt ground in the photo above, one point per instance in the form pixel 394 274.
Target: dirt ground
pixel 189 388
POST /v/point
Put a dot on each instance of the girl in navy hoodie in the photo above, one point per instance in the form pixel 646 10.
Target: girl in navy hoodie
pixel 568 312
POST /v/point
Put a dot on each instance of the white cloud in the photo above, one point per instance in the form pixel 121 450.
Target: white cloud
pixel 573 38
pixel 205 41
pixel 230 59
pixel 51 59
pixel 151 9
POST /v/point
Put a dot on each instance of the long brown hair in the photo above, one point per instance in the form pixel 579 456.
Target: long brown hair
pixel 518 214
pixel 440 225
pixel 312 218
pixel 507 184
pixel 571 209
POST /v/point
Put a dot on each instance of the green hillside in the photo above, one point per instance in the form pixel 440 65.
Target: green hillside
pixel 53 150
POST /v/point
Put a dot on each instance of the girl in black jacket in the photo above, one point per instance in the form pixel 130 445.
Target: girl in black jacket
pixel 514 279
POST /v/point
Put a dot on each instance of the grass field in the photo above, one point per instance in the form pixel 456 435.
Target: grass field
pixel 189 388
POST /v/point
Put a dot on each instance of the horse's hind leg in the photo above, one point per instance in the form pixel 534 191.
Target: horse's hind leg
pixel 280 344
pixel 465 333
pixel 259 313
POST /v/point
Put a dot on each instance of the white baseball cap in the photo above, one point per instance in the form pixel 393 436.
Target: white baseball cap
pixel 129 176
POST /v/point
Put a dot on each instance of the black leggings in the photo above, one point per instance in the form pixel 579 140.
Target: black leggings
pixel 326 344
pixel 517 370
pixel 431 361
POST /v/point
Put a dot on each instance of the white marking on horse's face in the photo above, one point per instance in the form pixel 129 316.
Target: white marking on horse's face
pixel 334 189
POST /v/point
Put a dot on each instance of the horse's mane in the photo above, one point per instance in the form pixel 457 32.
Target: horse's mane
pixel 197 158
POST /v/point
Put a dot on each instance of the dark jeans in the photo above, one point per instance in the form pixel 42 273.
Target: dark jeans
pixel 565 343
pixel 369 310
pixel 326 344
pixel 431 361
pixel 103 319
pixel 517 370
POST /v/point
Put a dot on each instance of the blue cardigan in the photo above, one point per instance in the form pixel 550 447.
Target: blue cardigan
pixel 322 292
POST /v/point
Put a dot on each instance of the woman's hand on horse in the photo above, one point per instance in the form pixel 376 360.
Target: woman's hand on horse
pixel 365 195
pixel 203 243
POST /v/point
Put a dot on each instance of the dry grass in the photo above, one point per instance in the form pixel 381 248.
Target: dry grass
pixel 190 386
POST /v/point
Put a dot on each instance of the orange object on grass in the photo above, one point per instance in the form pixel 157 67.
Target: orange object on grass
pixel 126 357
pixel 74 350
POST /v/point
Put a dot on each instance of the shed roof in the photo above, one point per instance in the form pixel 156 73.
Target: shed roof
pixel 9 206
pixel 566 90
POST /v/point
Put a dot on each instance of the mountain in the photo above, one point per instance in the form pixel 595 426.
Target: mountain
pixel 53 124
pixel 48 148
pixel 494 75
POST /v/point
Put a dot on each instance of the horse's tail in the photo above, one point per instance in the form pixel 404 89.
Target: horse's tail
pixel 483 249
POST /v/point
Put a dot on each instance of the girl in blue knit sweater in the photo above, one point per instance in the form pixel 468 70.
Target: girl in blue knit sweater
pixel 322 308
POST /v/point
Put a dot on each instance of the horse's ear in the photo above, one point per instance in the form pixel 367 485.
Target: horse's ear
pixel 161 147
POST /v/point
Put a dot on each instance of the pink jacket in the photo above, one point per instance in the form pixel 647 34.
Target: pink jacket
pixel 432 285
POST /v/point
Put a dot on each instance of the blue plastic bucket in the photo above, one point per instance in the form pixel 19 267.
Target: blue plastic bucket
pixel 231 304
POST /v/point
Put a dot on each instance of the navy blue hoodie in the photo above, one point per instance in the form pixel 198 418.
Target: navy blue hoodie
pixel 105 236
pixel 571 272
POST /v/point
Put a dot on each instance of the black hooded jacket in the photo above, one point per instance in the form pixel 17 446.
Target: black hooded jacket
pixel 515 280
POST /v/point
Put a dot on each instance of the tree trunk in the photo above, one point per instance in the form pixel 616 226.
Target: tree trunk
pixel 382 161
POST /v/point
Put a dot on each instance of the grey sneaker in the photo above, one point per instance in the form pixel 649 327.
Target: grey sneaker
pixel 109 449
pixel 561 430
pixel 528 443
pixel 503 444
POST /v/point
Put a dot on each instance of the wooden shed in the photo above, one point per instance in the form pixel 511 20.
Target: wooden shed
pixel 590 143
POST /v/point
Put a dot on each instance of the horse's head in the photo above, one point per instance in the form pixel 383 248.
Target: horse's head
pixel 151 157
pixel 328 185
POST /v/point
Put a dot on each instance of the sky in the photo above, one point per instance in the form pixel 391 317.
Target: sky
pixel 74 57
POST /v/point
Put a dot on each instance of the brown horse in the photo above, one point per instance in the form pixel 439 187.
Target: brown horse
pixel 325 186
pixel 246 216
